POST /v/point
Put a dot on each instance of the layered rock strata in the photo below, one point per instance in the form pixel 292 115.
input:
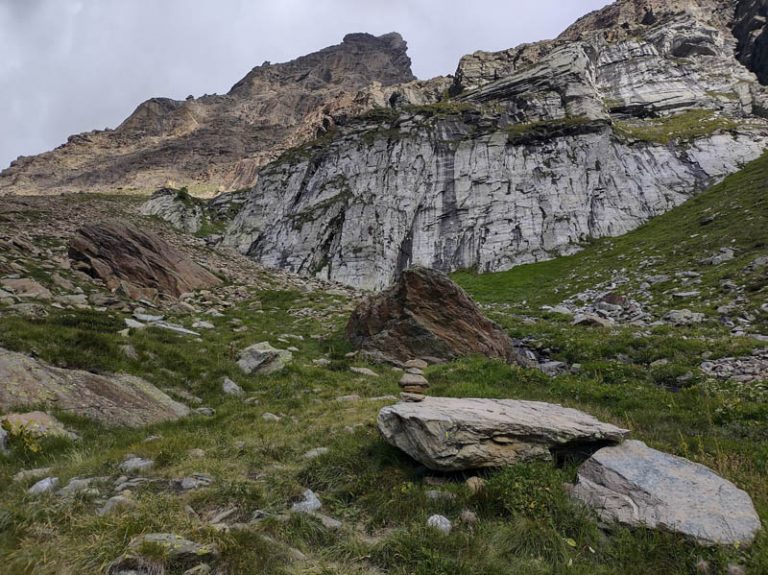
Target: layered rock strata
pixel 629 113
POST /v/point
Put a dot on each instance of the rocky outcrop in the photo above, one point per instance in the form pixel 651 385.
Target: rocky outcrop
pixel 111 400
pixel 749 370
pixel 165 549
pixel 641 487
pixel 263 359
pixel 629 113
pixel 177 208
pixel 455 193
pixel 34 424
pixel 139 263
pixel 219 141
pixel 447 434
pixel 634 57
pixel 425 314
pixel 539 149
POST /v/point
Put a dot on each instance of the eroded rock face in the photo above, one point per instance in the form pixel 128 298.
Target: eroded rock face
pixel 113 400
pixel 450 193
pixel 447 434
pixel 425 314
pixel 641 487
pixel 545 147
pixel 175 207
pixel 141 264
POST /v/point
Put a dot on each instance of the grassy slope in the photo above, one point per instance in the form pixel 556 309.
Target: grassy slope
pixel 527 525
pixel 677 240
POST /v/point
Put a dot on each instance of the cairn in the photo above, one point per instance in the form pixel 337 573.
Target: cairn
pixel 413 383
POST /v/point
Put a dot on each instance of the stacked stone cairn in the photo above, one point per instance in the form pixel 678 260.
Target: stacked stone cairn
pixel 413 383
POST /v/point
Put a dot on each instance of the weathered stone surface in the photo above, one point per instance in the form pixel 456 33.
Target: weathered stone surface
pixel 426 314
pixel 34 423
pixel 229 387
pixel 416 364
pixel 175 207
pixel 593 321
pixel 556 164
pixel 358 213
pixel 683 317
pixel 175 548
pixel 115 504
pixel 363 371
pixel 448 434
pixel 112 400
pixel 752 34
pixel 77 486
pixel 748 369
pixel 441 523
pixel 413 380
pixel 136 464
pixel 635 485
pixel 43 486
pixel 309 504
pixel 27 288
pixel 141 264
pixel 194 481
pixel 263 358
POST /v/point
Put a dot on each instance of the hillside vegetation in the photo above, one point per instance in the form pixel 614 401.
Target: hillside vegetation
pixel 645 377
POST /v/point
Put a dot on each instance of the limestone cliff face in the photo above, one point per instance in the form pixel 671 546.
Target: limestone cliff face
pixel 448 198
pixel 632 111
pixel 220 142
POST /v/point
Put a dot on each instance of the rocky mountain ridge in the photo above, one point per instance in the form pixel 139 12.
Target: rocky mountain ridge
pixel 526 154
pixel 219 142
pixel 541 148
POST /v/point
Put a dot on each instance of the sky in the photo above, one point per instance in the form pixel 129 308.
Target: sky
pixel 71 66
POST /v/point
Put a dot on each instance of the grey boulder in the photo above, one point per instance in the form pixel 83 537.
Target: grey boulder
pixel 175 548
pixel 684 317
pixel 309 504
pixel 43 486
pixel 635 485
pixel 264 359
pixel 109 399
pixel 447 434
pixel 229 387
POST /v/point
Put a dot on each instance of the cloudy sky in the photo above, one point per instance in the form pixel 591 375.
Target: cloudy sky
pixel 69 66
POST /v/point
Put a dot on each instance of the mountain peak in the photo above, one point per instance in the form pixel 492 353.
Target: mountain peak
pixel 218 141
pixel 628 14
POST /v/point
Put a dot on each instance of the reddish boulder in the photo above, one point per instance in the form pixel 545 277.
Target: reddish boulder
pixel 425 314
pixel 141 264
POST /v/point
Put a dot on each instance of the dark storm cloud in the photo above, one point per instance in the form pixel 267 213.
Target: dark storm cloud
pixel 68 66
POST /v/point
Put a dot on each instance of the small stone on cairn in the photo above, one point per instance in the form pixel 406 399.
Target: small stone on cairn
pixel 413 383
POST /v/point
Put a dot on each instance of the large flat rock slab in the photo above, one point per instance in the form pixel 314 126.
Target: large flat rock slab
pixel 635 485
pixel 447 434
pixel 139 263
pixel 112 400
